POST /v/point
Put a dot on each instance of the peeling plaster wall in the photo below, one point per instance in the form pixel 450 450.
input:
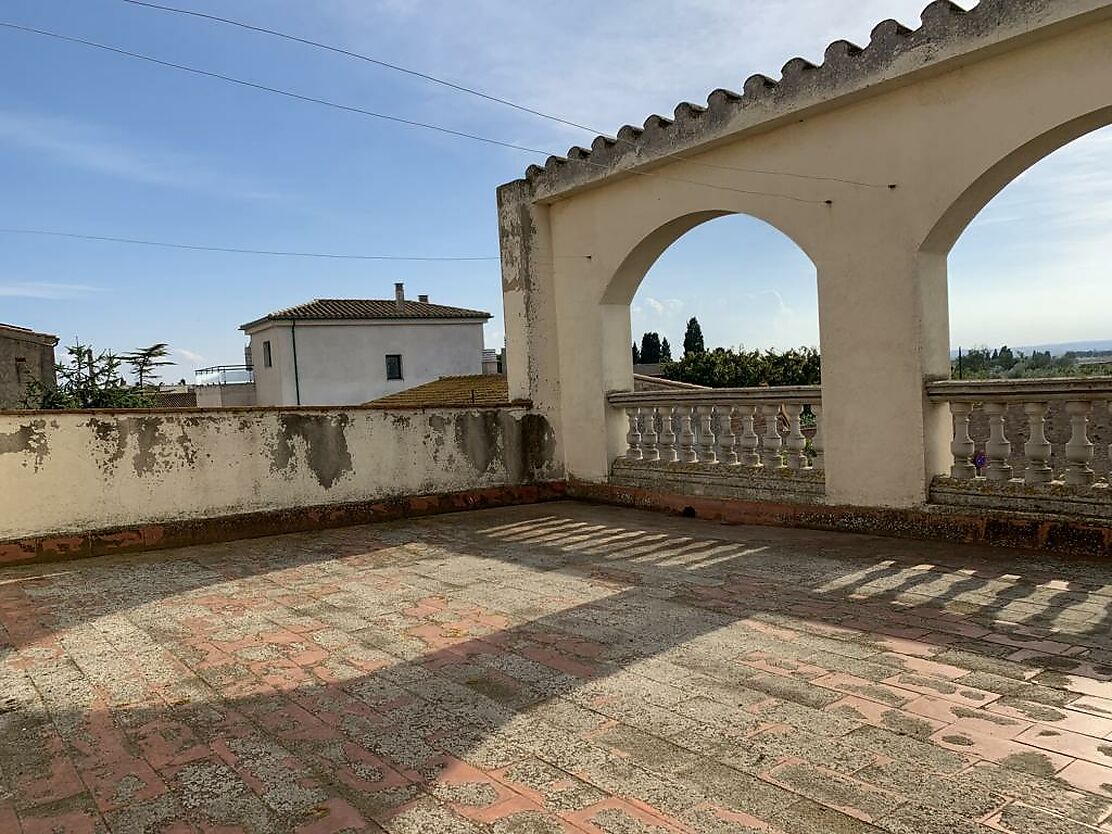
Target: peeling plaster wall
pixel 80 471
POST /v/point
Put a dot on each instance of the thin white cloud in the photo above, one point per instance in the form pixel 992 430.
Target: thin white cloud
pixel 45 290
pixel 606 64
pixel 189 355
pixel 667 307
pixel 104 151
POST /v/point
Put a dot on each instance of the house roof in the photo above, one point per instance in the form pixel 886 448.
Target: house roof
pixel 30 335
pixel 352 309
pixel 173 399
pixel 486 390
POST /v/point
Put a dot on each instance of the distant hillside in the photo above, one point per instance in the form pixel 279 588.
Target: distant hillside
pixel 1055 348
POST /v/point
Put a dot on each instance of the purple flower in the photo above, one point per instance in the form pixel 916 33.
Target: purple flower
pixel 979 460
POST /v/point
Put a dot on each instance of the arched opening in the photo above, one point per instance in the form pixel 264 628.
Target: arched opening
pixel 749 287
pixel 1025 251
pixel 1030 272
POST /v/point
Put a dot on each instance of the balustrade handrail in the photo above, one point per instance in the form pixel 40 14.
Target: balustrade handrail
pixel 785 394
pixel 1021 390
pixel 1076 397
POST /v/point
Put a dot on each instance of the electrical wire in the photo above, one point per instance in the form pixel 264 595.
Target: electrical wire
pixel 240 251
pixel 373 114
pixel 461 88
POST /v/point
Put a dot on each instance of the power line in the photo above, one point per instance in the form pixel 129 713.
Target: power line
pixel 358 56
pixel 238 251
pixel 264 88
pixel 373 114
pixel 461 88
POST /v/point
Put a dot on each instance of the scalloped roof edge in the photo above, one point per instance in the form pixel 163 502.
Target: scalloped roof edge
pixel 894 51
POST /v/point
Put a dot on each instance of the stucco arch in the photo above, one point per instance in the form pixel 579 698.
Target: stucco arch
pixel 956 219
pixel 623 283
pixel 872 163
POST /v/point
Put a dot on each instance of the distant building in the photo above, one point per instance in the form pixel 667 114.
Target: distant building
pixel 173 396
pixel 24 355
pixel 348 351
pixel 225 386
pixel 654 369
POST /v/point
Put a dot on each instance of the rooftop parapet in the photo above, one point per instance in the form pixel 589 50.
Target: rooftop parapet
pixel 895 54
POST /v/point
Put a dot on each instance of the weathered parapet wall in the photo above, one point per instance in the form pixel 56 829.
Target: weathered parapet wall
pixel 73 472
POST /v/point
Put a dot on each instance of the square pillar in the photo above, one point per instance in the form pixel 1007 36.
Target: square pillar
pixel 884 319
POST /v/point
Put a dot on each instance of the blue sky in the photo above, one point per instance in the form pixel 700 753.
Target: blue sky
pixel 99 144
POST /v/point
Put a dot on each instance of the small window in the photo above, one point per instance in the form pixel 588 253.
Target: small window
pixel 393 366
pixel 267 361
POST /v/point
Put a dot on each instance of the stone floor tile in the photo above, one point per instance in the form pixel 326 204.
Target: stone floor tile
pixel 905 722
pixel 556 668
pixel 879 692
pixel 920 819
pixel 1064 718
pixel 1096 706
pixel 1075 745
pixel 1006 752
pixel 1019 818
pixel 944 688
pixel 1090 777
pixel 840 793
pixel 807 817
pixel 1051 794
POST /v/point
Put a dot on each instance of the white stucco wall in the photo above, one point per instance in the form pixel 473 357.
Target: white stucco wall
pixel 226 396
pixel 78 471
pixel 889 153
pixel 344 363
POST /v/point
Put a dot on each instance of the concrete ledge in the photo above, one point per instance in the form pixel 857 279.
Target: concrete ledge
pixel 720 481
pixel 1001 529
pixel 185 533
pixel 1058 499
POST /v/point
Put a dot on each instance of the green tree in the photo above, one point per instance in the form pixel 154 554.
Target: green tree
pixel 145 363
pixel 650 348
pixel 665 351
pixel 727 368
pixel 636 355
pixel 693 339
pixel 89 380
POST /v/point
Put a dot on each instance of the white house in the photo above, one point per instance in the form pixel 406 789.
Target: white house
pixel 335 351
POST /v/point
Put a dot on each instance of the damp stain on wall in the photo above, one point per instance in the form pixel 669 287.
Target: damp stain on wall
pixel 29 439
pixel 154 449
pixel 324 439
pixel 489 439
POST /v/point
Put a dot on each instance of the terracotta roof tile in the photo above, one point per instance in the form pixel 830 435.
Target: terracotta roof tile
pixel 485 390
pixel 324 309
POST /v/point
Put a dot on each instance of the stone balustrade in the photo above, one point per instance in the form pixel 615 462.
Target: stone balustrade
pixel 1083 401
pixel 727 433
pixel 1017 459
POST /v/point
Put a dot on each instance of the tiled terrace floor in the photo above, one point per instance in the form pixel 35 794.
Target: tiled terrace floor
pixel 558 668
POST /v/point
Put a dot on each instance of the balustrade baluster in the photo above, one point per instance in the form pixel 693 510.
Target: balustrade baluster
pixel 667 438
pixel 750 442
pixel 633 437
pixel 1037 449
pixel 771 442
pixel 649 436
pixel 962 446
pixel 796 442
pixel 1079 449
pixel 818 463
pixel 687 453
pixel 707 441
pixel 727 440
pixel 998 449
